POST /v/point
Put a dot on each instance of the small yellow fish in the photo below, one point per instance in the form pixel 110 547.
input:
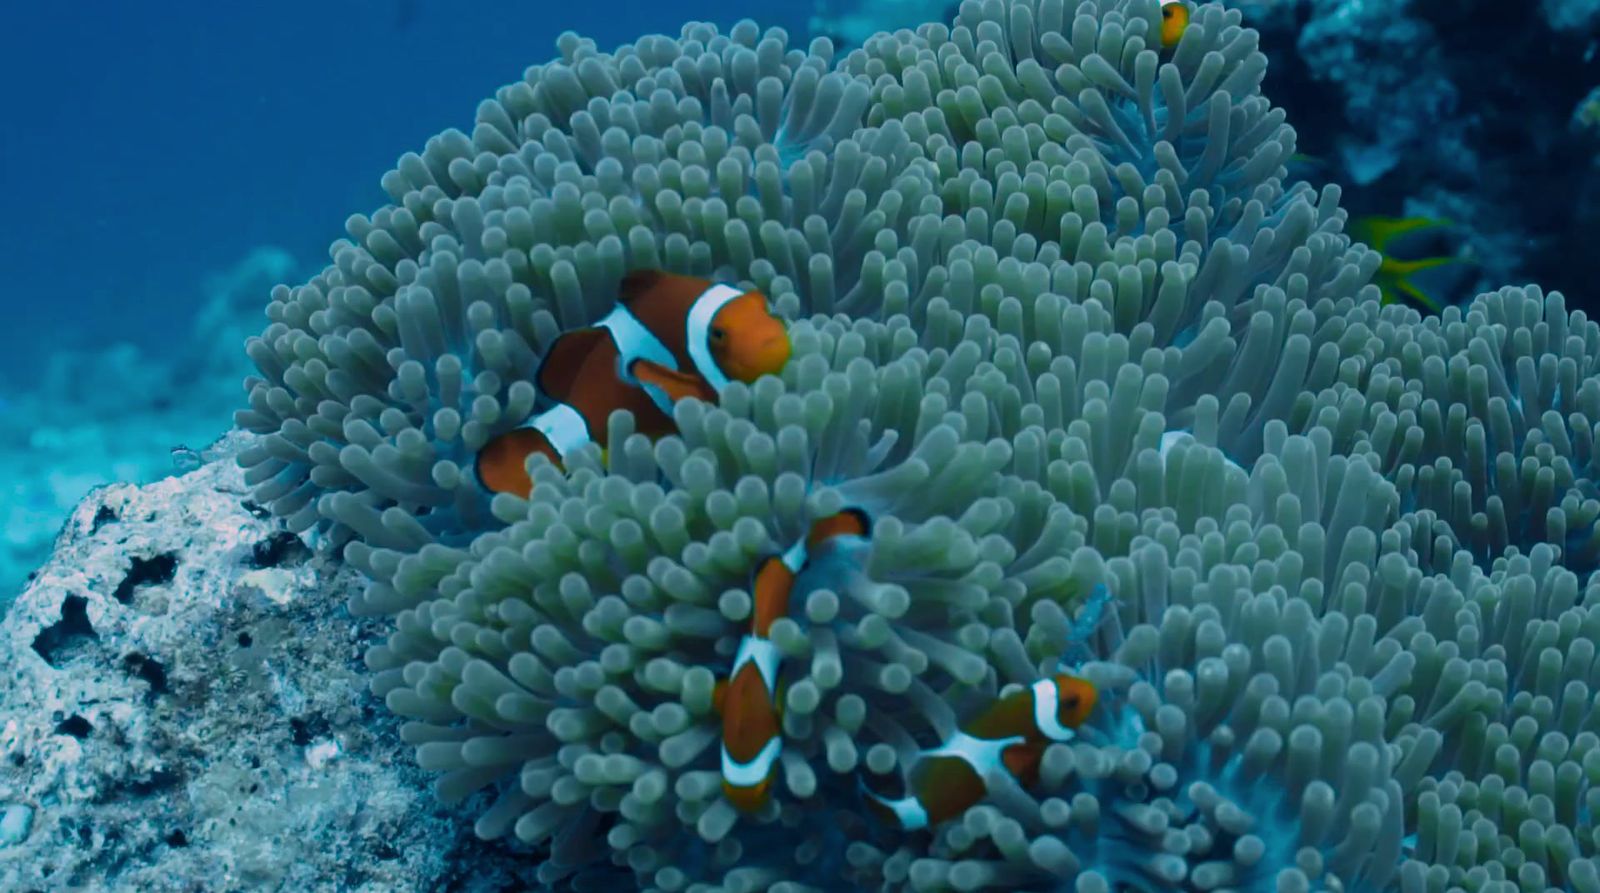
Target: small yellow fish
pixel 1394 275
pixel 1174 20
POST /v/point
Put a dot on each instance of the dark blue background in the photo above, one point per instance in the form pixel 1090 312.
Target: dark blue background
pixel 145 145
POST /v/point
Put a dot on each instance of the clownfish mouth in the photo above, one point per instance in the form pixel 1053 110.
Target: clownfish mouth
pixel 765 358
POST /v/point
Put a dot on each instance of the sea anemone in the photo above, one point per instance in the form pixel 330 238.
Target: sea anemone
pixel 1058 319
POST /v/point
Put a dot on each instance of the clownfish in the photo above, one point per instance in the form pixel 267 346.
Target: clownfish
pixel 1174 19
pixel 1010 735
pixel 669 337
pixel 749 699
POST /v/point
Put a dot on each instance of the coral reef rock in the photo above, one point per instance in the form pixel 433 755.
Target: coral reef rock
pixel 185 709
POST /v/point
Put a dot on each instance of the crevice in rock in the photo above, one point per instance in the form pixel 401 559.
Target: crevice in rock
pixel 54 641
pixel 146 572
pixel 76 726
pixel 282 549
pixel 149 669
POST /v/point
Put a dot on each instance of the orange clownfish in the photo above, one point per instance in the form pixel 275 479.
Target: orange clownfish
pixel 749 698
pixel 668 338
pixel 1174 19
pixel 1010 736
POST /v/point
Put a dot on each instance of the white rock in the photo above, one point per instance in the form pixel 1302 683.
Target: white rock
pixel 14 824
pixel 160 694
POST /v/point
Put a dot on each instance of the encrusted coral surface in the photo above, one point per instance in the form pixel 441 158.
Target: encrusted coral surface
pixel 184 708
pixel 1059 318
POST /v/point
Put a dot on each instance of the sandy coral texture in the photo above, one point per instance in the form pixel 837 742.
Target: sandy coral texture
pixel 184 709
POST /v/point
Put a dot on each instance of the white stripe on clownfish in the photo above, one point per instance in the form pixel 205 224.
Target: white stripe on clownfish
pixel 564 427
pixel 701 314
pixel 636 342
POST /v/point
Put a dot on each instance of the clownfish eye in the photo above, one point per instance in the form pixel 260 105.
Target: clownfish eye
pixel 718 333
pixel 1070 700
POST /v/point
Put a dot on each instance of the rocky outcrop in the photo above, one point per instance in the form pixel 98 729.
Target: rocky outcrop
pixel 184 708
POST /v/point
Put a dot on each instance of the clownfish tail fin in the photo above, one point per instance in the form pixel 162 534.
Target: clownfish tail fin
pixel 905 813
pixel 502 465
pixel 852 521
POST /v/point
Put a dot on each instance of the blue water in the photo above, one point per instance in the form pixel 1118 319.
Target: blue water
pixel 147 145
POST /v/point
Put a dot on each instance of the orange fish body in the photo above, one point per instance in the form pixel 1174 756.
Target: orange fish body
pixel 670 337
pixel 1174 21
pixel 1009 736
pixel 578 373
pixel 749 700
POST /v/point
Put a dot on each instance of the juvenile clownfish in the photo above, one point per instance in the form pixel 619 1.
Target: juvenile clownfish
pixel 1174 19
pixel 749 699
pixel 669 337
pixel 1010 736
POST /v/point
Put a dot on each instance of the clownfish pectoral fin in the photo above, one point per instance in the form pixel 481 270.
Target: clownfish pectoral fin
pixel 677 385
pixel 557 377
pixel 1022 761
pixel 719 695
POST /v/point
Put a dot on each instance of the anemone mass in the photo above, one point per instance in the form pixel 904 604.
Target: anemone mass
pixel 1058 318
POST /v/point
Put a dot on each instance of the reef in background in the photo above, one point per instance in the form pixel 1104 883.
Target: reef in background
pixel 1390 100
pixel 115 414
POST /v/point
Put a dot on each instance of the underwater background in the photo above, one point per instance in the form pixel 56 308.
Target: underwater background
pixel 166 165
pixel 1233 390
pixel 167 168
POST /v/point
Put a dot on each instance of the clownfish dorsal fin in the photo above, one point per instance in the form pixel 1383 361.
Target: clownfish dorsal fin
pixel 636 284
pixel 558 371
pixel 677 385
